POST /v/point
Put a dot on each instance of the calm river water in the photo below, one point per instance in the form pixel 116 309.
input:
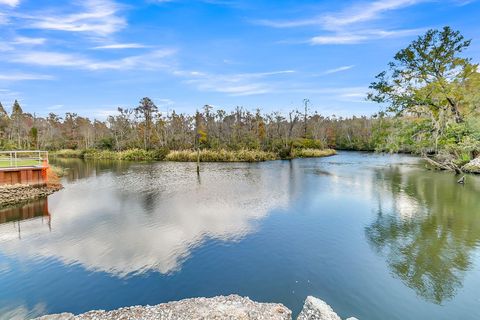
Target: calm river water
pixel 375 236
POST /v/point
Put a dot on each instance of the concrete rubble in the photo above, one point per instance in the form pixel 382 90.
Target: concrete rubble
pixel 20 193
pixel 232 307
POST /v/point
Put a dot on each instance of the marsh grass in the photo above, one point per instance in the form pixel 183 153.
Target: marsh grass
pixel 221 155
pixel 313 153
pixel 206 155
pixel 130 154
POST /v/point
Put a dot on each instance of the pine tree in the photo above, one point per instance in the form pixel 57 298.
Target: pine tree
pixel 17 115
pixel 16 109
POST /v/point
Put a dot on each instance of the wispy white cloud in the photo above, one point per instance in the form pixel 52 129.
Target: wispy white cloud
pixel 338 39
pixel 151 60
pixel 365 12
pixel 46 58
pixel 29 41
pixel 11 3
pixel 100 17
pixel 354 14
pixel 349 25
pixel 24 76
pixel 339 69
pixel 12 44
pixel 241 84
pixel 360 36
pixel 116 46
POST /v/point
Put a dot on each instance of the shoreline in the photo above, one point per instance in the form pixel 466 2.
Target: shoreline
pixel 232 307
pixel 205 155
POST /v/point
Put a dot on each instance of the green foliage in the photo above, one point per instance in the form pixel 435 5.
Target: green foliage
pixel 285 153
pixel 312 153
pixel 427 77
pixel 462 141
pixel 130 154
pixel 160 154
pixel 106 143
pixel 434 93
pixel 304 143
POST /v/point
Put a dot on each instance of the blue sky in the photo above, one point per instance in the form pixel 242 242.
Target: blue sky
pixel 91 56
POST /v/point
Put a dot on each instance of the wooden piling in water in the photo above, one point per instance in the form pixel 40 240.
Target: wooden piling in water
pixel 198 161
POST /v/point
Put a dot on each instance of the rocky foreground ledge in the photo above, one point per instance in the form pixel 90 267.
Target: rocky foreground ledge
pixel 231 307
pixel 19 193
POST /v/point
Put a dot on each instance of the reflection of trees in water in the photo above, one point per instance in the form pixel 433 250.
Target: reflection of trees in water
pixel 430 235
pixel 81 169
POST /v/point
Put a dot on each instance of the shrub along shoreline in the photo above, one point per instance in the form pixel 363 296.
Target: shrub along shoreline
pixel 206 155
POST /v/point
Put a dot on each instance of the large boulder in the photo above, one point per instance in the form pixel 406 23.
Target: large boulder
pixel 231 307
pixel 316 309
pixel 473 166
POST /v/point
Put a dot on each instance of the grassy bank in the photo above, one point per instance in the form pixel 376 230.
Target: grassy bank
pixel 221 156
pixel 130 154
pixel 313 153
pixel 206 155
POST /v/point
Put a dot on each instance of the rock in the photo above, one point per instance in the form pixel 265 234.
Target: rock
pixel 231 307
pixel 19 193
pixel 316 309
pixel 473 166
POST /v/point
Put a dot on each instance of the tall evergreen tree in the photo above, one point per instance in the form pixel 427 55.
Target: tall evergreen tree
pixel 16 109
pixel 147 110
pixel 17 122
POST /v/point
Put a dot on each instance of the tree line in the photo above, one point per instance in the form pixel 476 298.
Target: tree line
pixel 430 95
pixel 145 127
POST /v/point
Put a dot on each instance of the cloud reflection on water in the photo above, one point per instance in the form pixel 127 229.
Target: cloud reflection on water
pixel 151 217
